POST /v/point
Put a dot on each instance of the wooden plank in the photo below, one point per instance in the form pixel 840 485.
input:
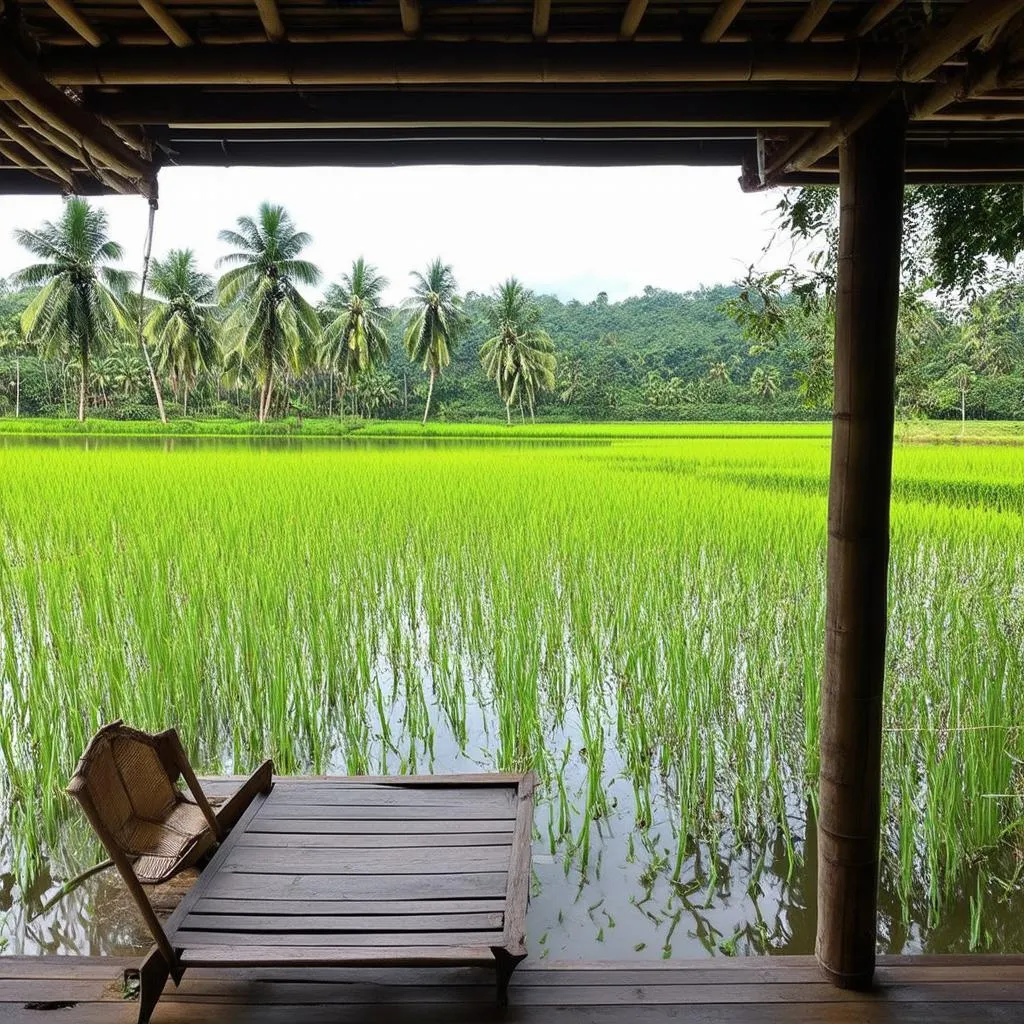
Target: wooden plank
pixel 448 860
pixel 246 956
pixel 499 800
pixel 358 887
pixel 192 939
pixel 174 1009
pixel 440 779
pixel 214 905
pixel 209 874
pixel 353 826
pixel 269 921
pixel 282 808
pixel 518 893
pixel 332 841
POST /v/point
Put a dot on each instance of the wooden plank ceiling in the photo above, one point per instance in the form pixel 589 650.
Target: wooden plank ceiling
pixel 95 95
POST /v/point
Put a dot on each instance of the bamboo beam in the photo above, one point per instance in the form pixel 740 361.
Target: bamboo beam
pixel 972 20
pixel 541 18
pixel 68 147
pixel 876 14
pixel 36 149
pixel 270 16
pixel 10 152
pixel 825 141
pixel 725 14
pixel 65 10
pixel 979 77
pixel 400 65
pixel 187 106
pixel 21 80
pixel 849 786
pixel 631 18
pixel 809 21
pixel 411 16
pixel 167 22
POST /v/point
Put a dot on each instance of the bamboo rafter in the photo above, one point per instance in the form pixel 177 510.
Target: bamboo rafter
pixel 102 147
pixel 969 23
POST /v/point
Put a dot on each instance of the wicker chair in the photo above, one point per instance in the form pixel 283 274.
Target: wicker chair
pixel 127 784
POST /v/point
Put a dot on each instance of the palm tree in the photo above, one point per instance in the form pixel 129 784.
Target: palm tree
pixel 436 322
pixel 355 338
pixel 519 355
pixel 271 326
pixel 720 372
pixel 182 325
pixel 12 341
pixel 765 383
pixel 78 306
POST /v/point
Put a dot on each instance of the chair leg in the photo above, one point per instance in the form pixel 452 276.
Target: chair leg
pixel 152 977
pixel 505 963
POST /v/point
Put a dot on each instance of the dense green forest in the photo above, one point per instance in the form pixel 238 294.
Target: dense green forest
pixel 252 346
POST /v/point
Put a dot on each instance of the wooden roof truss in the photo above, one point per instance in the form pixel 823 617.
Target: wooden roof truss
pixel 94 96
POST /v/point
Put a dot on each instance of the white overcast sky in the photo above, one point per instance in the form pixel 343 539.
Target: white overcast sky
pixel 572 232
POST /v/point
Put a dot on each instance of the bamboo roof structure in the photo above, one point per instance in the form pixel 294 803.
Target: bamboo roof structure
pixel 97 95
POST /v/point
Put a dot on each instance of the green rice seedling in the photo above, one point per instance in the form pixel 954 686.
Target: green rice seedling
pixel 651 595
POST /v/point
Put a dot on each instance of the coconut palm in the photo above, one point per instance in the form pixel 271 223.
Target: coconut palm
pixel 11 341
pixel 720 372
pixel 765 383
pixel 436 322
pixel 78 308
pixel 519 355
pixel 355 339
pixel 182 325
pixel 270 327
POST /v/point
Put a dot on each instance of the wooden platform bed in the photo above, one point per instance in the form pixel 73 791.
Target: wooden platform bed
pixel 405 871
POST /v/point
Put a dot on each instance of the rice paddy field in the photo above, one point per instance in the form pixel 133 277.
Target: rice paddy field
pixel 639 617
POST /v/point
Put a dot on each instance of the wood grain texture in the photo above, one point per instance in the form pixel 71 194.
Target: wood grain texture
pixel 867 298
pixel 359 887
pixel 311 825
pixel 448 860
pixel 518 894
pixel 775 990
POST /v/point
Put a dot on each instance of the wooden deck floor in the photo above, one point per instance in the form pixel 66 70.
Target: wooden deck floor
pixel 783 990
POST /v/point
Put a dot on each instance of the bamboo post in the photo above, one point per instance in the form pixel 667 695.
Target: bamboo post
pixel 871 210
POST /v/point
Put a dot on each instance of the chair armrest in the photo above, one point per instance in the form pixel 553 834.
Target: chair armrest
pixel 170 742
pixel 261 781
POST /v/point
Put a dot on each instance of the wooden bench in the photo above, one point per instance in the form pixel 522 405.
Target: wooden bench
pixel 403 871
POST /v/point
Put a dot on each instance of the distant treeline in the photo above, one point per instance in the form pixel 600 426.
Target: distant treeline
pixel 661 355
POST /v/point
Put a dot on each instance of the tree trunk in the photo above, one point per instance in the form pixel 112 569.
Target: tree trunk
pixel 261 413
pixel 270 394
pixel 330 396
pixel 405 393
pixel 430 395
pixel 184 405
pixel 871 166
pixel 963 411
pixel 17 387
pixel 508 413
pixel 341 397
pixel 82 385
